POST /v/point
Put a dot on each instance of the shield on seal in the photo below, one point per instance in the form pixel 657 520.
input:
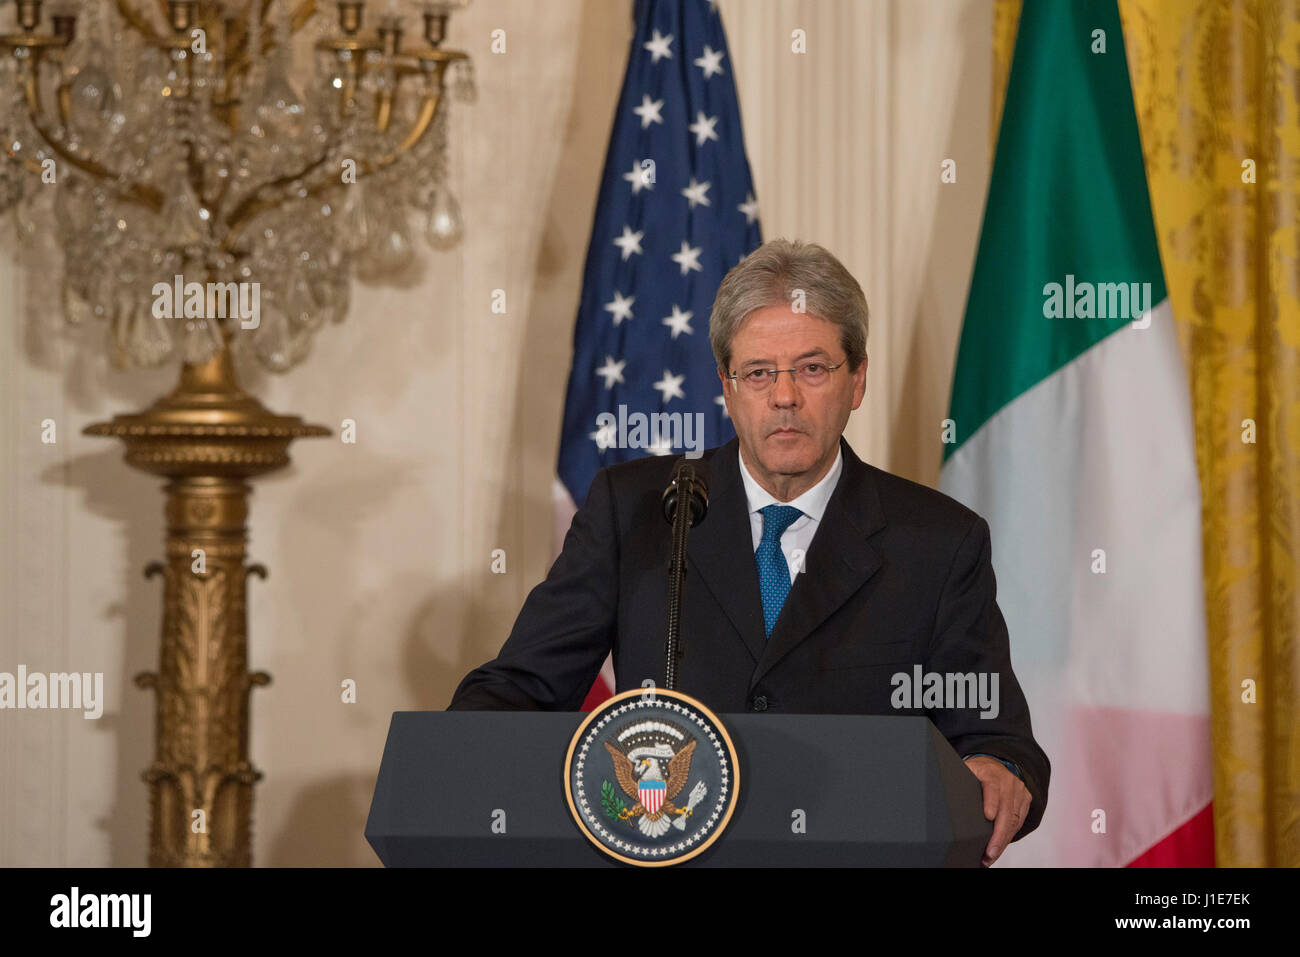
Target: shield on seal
pixel 651 794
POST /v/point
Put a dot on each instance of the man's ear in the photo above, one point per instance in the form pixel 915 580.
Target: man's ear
pixel 860 382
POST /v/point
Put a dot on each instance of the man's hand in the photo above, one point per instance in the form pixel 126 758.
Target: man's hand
pixel 1006 802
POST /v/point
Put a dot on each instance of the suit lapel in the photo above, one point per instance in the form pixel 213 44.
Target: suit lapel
pixel 721 550
pixel 839 561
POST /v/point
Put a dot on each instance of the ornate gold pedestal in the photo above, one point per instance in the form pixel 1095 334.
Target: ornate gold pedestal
pixel 208 436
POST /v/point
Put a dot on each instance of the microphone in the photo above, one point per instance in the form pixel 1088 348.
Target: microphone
pixel 691 479
pixel 686 495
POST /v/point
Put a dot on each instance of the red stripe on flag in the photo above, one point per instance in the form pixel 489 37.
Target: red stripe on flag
pixel 599 692
pixel 1191 845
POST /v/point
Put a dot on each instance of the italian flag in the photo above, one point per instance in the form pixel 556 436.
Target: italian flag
pixel 1070 431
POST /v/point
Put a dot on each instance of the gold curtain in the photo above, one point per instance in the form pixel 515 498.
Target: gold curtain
pixel 1216 85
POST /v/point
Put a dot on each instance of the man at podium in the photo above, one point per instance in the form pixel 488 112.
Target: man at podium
pixel 815 583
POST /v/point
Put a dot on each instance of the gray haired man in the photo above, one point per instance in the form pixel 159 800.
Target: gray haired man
pixel 823 578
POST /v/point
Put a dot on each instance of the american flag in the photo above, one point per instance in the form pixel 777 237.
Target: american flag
pixel 676 211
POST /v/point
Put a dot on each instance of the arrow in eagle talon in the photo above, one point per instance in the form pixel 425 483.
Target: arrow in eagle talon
pixel 697 795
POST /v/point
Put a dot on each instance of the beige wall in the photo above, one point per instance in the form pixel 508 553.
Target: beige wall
pixel 379 552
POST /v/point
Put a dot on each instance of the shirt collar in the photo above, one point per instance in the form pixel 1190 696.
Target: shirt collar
pixel 811 503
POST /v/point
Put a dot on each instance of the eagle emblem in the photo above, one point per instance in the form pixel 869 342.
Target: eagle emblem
pixel 651 777
pixel 652 763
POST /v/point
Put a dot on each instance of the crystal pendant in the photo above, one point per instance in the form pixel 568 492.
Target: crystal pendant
pixel 389 250
pixel 75 308
pixel 273 340
pixel 74 210
pixel 94 96
pixel 463 87
pixel 183 215
pixel 148 338
pixel 354 230
pixel 300 306
pixel 200 340
pixel 446 226
pixel 279 114
pixel 100 292
pixel 331 290
pixel 25 224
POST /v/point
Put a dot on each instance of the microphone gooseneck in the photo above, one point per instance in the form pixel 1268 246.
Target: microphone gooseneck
pixel 685 503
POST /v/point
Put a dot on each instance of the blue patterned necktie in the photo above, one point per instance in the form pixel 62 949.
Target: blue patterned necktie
pixel 773 572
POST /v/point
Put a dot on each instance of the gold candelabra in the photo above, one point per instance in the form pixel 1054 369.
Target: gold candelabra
pixel 184 158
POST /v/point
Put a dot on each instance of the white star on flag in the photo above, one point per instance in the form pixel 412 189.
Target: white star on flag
pixel 606 436
pixel 621 307
pixel 722 401
pixel 710 62
pixel 703 128
pixel 629 242
pixel 695 193
pixel 612 371
pixel 649 110
pixel 662 445
pixel 749 207
pixel 671 386
pixel 688 258
pixel 679 321
pixel 658 46
pixel 640 176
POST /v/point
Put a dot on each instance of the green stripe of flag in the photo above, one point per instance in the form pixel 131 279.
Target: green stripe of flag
pixel 1068 197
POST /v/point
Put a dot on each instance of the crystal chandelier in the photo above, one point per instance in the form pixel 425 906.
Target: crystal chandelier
pixel 180 145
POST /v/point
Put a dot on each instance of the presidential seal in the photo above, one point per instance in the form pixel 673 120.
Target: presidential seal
pixel 651 777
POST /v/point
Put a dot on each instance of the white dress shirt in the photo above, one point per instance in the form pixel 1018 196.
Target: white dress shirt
pixel 798 537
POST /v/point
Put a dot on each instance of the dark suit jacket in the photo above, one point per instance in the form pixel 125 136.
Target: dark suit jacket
pixel 897 575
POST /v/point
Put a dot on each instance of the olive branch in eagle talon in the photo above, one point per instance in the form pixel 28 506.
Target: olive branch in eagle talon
pixel 614 806
pixel 629 774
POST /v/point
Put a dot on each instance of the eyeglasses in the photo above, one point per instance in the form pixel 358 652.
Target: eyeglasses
pixel 812 374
